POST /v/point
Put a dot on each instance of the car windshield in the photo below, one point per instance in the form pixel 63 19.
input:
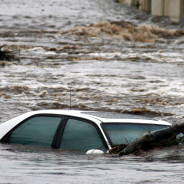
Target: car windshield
pixel 124 133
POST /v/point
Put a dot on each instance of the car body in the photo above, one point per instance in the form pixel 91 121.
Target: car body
pixel 76 130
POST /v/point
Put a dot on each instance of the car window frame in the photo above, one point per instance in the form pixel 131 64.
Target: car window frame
pixel 6 137
pixel 59 134
pixel 107 135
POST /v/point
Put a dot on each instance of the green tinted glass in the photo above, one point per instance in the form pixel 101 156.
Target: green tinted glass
pixel 80 136
pixel 36 131
pixel 126 133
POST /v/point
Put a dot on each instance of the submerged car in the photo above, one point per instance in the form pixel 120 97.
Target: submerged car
pixel 76 130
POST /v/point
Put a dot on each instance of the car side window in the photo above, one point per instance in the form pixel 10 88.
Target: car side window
pixel 38 130
pixel 80 136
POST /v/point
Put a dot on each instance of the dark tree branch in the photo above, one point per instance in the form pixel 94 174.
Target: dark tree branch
pixel 153 139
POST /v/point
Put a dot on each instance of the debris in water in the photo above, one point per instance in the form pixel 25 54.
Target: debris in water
pixel 7 55
pixel 161 138
pixel 145 112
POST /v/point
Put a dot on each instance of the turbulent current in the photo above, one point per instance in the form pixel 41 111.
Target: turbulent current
pixel 108 57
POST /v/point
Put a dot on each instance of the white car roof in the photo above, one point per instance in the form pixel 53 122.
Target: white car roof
pixel 98 117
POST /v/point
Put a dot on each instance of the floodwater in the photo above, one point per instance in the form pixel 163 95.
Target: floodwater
pixel 109 57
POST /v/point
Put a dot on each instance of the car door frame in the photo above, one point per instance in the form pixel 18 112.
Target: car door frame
pixel 61 127
pixel 6 138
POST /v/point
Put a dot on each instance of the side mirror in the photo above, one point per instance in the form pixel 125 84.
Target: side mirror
pixel 94 152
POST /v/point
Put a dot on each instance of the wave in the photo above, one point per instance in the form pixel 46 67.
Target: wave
pixel 125 30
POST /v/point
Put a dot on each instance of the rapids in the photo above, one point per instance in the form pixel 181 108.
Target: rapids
pixel 110 57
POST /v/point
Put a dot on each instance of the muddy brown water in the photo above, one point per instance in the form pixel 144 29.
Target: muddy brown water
pixel 108 65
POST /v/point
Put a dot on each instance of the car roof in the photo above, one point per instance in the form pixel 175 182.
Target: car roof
pixel 105 117
pixel 114 115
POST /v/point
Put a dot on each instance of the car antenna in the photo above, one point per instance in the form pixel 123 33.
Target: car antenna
pixel 70 97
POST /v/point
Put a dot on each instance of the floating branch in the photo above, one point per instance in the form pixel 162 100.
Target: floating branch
pixel 164 137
